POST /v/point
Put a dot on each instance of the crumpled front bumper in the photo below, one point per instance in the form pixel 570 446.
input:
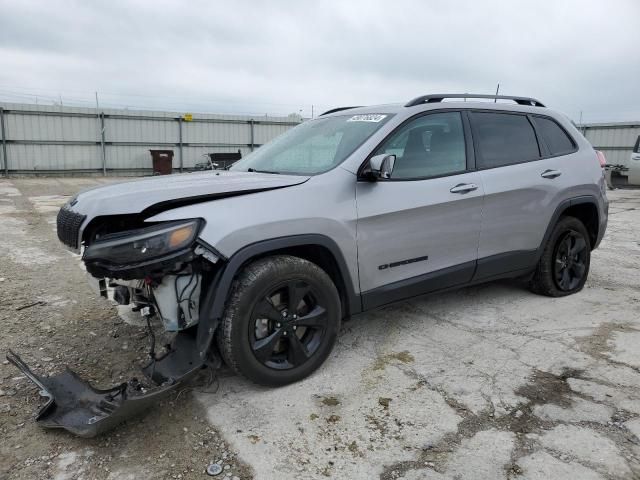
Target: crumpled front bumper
pixel 74 405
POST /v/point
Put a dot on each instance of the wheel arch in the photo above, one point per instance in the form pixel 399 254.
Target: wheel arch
pixel 585 209
pixel 316 248
pixel 587 213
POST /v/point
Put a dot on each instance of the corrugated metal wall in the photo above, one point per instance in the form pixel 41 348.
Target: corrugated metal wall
pixel 616 140
pixel 52 139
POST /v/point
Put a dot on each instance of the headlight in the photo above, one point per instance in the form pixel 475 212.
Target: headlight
pixel 144 244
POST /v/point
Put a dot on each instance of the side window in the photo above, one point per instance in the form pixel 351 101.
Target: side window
pixel 503 139
pixel 636 149
pixel 558 142
pixel 428 146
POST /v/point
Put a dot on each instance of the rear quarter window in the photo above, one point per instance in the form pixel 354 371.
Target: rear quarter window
pixel 636 148
pixel 557 140
pixel 503 139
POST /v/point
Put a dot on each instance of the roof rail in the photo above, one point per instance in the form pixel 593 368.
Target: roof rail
pixel 339 109
pixel 438 97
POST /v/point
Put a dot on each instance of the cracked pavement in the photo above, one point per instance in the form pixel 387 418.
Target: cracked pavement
pixel 489 382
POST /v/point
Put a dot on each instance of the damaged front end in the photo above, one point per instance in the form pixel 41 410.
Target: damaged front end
pixel 160 271
pixel 76 406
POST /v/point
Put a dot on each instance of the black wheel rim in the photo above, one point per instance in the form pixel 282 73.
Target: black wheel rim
pixel 570 260
pixel 287 325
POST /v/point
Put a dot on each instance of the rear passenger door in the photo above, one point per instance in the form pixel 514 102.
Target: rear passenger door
pixel 524 170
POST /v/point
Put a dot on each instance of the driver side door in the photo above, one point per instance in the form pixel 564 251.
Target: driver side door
pixel 418 230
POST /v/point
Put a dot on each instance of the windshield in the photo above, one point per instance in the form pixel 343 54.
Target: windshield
pixel 314 146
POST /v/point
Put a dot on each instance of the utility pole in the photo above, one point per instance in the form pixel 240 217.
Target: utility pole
pixel 101 135
pixel 3 134
pixel 582 127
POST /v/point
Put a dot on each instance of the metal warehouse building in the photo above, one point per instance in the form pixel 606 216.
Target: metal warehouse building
pixel 616 140
pixel 54 139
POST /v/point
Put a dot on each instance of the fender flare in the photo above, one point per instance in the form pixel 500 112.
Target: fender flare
pixel 213 304
pixel 560 209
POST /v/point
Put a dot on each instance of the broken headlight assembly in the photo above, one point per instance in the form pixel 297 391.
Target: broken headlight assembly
pixel 121 253
pixel 143 244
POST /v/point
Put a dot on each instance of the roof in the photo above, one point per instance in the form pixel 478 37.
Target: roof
pixel 437 101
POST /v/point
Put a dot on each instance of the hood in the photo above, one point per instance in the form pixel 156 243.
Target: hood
pixel 155 194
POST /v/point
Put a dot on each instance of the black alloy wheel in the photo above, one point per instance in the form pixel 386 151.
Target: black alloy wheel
pixel 570 261
pixel 563 267
pixel 281 320
pixel 288 325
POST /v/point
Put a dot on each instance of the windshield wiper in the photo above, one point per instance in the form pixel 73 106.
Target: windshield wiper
pixel 261 171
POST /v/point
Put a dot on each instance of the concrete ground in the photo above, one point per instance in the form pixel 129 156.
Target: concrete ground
pixel 489 382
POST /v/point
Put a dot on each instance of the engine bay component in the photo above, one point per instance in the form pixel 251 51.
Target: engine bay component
pixel 178 300
pixel 121 295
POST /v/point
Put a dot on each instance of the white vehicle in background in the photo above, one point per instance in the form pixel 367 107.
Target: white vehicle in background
pixel 633 175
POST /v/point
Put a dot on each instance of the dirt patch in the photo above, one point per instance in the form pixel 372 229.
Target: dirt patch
pixel 330 401
pixel 333 418
pixel 383 360
pixel 546 387
pixel 598 343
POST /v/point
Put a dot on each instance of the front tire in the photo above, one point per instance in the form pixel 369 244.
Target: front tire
pixel 564 265
pixel 281 320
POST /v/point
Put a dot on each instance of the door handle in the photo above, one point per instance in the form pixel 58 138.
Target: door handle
pixel 551 173
pixel 464 188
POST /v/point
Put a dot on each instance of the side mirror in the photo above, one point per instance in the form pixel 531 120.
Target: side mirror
pixel 380 166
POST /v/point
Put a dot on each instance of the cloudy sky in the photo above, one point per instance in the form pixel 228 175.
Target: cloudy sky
pixel 282 57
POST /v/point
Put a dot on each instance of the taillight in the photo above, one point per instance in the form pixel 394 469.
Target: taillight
pixel 601 158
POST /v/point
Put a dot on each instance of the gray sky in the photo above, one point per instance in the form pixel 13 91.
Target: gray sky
pixel 281 57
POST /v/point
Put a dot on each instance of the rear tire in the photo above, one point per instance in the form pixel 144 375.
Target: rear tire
pixel 564 266
pixel 281 320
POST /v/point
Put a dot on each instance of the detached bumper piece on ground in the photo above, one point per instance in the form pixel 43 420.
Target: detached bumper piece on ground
pixel 74 405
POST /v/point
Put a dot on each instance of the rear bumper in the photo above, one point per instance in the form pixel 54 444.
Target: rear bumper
pixel 604 220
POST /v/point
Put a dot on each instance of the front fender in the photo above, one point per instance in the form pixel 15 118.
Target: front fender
pixel 213 304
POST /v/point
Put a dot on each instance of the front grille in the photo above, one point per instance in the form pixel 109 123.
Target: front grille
pixel 68 224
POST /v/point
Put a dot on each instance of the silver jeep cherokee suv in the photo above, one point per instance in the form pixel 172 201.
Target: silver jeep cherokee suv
pixel 358 208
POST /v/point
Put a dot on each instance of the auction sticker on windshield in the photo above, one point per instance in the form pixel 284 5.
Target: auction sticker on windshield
pixel 372 117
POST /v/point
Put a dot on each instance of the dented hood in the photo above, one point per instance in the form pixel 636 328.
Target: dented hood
pixel 155 194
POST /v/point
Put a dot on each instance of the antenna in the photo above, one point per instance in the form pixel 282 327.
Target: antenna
pixel 495 100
